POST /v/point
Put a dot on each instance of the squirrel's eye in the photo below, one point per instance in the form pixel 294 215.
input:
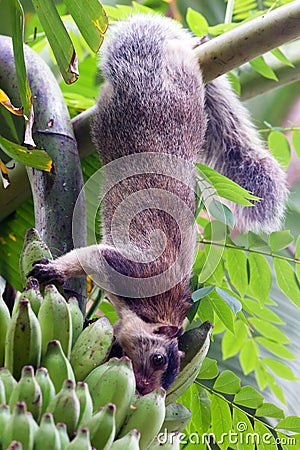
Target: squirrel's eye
pixel 158 360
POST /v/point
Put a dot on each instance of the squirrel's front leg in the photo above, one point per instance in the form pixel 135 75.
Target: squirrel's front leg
pixel 76 263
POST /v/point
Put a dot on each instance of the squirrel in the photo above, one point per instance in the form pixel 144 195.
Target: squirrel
pixel 155 119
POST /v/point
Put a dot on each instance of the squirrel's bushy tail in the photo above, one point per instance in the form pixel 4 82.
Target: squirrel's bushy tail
pixel 234 148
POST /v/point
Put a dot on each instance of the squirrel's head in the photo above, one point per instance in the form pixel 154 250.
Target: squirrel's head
pixel 153 350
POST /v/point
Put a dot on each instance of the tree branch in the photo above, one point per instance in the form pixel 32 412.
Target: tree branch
pixel 247 41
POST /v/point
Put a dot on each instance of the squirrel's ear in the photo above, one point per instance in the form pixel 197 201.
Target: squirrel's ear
pixel 170 331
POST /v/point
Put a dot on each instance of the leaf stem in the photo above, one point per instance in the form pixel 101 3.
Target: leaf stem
pixel 201 240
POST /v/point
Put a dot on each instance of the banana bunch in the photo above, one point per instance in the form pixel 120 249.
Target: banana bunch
pixel 59 391
pixel 36 417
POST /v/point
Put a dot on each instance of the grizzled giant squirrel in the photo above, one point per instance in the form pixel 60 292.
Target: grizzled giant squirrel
pixel 156 112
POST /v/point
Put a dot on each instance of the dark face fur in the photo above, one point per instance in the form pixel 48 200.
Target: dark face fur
pixel 153 350
pixel 155 362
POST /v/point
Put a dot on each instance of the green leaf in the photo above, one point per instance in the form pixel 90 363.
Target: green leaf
pixel 260 277
pixel 274 387
pixel 138 7
pixel 288 442
pixel 255 241
pixel 297 256
pixel 236 262
pixel 248 397
pixel 296 141
pixel 209 178
pixel 12 233
pixel 280 148
pixel 17 17
pixel 266 440
pixel 206 311
pixel 297 248
pixel 243 429
pixel 235 82
pixel 269 410
pixel 263 312
pixel 233 303
pixel 261 376
pixel 290 423
pixel 227 383
pixel 221 212
pixel 197 400
pixel 58 38
pixel 280 369
pixel 38 159
pixel 286 280
pixel 279 240
pixel 202 292
pixel 268 330
pixel 222 310
pixel 260 66
pixel 221 28
pixel 281 57
pixel 221 420
pixel 209 369
pixel 249 356
pixel 196 22
pixel 232 343
pixel 92 24
pixel 275 348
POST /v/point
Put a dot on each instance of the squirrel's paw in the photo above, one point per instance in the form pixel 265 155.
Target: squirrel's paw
pixel 45 271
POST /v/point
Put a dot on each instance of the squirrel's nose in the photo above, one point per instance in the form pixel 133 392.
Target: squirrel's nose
pixel 144 386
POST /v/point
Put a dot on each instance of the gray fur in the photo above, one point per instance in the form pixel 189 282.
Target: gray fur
pixel 234 148
pixel 155 104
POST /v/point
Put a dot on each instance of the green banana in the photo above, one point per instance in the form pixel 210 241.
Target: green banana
pixel 93 377
pixel 28 391
pixel 128 442
pixel 47 387
pixel 102 427
pixel 76 317
pixel 63 435
pixel 4 416
pixel 195 344
pixel 116 385
pixel 147 416
pixel 33 250
pixel 91 347
pixel 15 445
pixel 2 393
pixel 47 437
pixel 58 365
pixel 32 422
pixel 176 418
pixel 55 320
pixel 8 381
pixel 32 292
pixel 23 340
pixel 4 323
pixel 86 402
pixel 81 441
pixel 65 406
pixel 19 428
